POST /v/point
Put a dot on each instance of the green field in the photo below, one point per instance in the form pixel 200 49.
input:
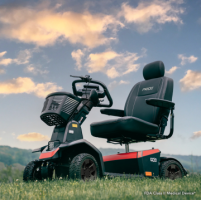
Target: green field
pixel 12 186
pixel 105 188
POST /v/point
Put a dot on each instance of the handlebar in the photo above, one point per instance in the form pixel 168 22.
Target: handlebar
pixel 89 80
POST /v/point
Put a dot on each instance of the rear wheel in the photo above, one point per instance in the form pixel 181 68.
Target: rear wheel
pixel 171 169
pixel 32 172
pixel 85 167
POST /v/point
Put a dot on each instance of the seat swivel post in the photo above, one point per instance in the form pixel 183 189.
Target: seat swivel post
pixel 127 147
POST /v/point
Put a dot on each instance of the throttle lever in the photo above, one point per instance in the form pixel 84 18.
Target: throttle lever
pixel 86 78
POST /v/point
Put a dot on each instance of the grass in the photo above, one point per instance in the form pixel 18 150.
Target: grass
pixel 12 187
pixel 116 188
pixel 9 175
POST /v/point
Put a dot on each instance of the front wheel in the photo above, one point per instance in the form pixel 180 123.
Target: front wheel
pixel 171 169
pixel 32 172
pixel 84 167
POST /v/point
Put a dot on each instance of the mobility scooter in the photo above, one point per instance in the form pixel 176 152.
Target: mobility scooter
pixel 143 119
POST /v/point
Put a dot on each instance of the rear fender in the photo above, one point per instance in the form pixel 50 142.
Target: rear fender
pixel 162 159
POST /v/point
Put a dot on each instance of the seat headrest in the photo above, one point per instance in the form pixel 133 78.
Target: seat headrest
pixel 154 70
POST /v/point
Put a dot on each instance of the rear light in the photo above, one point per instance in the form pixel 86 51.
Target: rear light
pixel 148 173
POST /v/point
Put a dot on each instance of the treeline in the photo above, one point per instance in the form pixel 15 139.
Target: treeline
pixel 10 155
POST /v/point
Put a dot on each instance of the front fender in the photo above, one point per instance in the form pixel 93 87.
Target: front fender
pixel 73 148
pixel 83 146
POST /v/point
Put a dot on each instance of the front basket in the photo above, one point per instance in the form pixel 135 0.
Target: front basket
pixel 58 108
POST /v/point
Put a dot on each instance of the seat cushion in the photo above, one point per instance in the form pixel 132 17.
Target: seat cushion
pixel 132 127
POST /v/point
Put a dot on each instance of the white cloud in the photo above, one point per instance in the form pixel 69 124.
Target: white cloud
pixel 35 70
pixel 98 61
pixel 77 56
pixel 114 84
pixel 184 60
pixel 6 61
pixel 149 13
pixel 0 138
pixel 46 26
pixel 22 58
pixel 196 135
pixel 26 85
pixel 3 53
pixel 32 137
pixel 113 64
pixel 112 73
pixel 172 70
pixel 123 82
pixel 191 81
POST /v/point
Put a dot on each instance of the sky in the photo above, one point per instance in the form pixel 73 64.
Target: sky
pixel 42 43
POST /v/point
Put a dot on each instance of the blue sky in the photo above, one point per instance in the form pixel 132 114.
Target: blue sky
pixel 43 42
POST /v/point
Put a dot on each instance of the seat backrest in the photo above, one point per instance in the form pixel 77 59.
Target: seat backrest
pixel 156 85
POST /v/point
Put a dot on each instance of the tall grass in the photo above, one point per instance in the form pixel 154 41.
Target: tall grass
pixel 116 188
pixel 12 187
pixel 9 175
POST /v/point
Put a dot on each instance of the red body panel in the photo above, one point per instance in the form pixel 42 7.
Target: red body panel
pixel 48 154
pixel 120 156
pixel 130 155
pixel 149 152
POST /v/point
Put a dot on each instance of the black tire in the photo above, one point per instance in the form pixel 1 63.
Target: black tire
pixel 171 169
pixel 84 167
pixel 32 172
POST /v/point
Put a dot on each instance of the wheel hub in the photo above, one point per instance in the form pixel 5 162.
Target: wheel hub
pixel 88 170
pixel 173 172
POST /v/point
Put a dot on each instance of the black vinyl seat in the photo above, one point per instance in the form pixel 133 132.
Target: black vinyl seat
pixel 138 119
pixel 126 126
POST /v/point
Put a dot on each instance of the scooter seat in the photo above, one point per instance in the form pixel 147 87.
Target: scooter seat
pixel 128 126
pixel 139 121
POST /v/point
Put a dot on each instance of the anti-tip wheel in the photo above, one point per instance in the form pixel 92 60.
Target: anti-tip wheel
pixel 171 169
pixel 84 167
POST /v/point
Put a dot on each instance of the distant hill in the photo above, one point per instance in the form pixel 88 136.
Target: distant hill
pixel 10 155
pixel 19 158
pixel 15 166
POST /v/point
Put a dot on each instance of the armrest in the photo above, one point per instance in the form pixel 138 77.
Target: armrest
pixel 160 103
pixel 113 112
